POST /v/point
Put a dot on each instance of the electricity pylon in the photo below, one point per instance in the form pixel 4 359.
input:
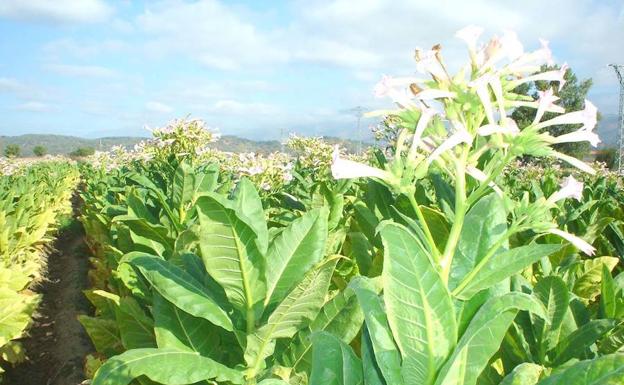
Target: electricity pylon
pixel 619 71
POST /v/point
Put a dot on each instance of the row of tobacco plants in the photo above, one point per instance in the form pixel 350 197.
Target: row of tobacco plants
pixel 33 201
pixel 440 260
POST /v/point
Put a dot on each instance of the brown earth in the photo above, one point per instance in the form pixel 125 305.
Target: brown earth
pixel 56 343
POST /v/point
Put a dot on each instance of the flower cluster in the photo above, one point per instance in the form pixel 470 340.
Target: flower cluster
pixel 460 124
pixel 270 172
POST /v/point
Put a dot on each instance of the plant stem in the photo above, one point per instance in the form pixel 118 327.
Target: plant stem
pixel 460 212
pixel 425 227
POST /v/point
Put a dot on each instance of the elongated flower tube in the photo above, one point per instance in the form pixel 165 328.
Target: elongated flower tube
pixel 426 114
pixel 432 93
pixel 481 177
pixel 347 169
pixel 578 136
pixel 387 86
pixel 481 87
pixel 460 136
pixel 428 62
pixel 570 188
pixel 546 102
pixel 588 117
pixel 574 162
pixel 511 46
pixel 551 76
pixel 574 240
pixel 511 128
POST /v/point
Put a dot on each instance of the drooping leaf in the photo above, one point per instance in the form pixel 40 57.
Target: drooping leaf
pixel 502 265
pixel 606 370
pixel 553 293
pixel 104 333
pixel 420 312
pixel 575 345
pixel 334 362
pixel 135 327
pixel 177 329
pixel 608 301
pixel 523 374
pixel 386 354
pixel 587 285
pixel 372 374
pixel 180 288
pixel 165 366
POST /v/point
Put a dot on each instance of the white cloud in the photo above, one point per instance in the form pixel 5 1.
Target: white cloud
pixel 10 85
pixel 33 106
pixel 158 107
pixel 57 11
pixel 91 71
pixel 233 107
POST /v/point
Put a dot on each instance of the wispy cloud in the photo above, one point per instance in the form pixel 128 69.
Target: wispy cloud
pixel 158 107
pixel 92 71
pixel 33 106
pixel 57 11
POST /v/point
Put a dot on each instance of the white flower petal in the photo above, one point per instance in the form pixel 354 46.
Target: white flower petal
pixel 574 240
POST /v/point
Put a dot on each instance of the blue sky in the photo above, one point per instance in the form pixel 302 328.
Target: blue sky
pixel 258 68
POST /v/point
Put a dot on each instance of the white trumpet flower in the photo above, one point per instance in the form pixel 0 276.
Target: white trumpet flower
pixel 570 188
pixel 347 169
pixel 574 240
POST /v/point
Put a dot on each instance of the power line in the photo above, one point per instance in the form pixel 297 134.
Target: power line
pixel 619 71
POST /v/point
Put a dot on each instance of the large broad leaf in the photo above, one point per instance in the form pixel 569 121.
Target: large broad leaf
pixel 334 362
pixel 500 266
pixel 293 313
pixel 165 366
pixel 372 374
pixel 575 345
pixel 177 329
pixel 104 334
pixel 180 288
pixel 229 251
pixel 483 337
pixel 523 374
pixel 341 316
pixel 293 252
pixel 386 354
pixel 606 370
pixel 587 285
pixel 419 306
pixel 249 206
pixel 15 313
pixel 553 293
pixel 151 237
pixel 135 327
pixel 484 225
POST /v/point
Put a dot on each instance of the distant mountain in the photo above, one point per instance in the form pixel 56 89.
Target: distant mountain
pixel 64 144
pixel 608 130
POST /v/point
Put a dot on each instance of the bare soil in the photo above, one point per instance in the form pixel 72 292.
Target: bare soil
pixel 56 343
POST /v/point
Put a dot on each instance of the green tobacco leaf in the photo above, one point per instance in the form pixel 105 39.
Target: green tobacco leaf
pixel 587 285
pixel 177 329
pixel 553 293
pixel 16 310
pixel 247 203
pixel 500 266
pixel 575 345
pixel 183 186
pixel 104 334
pixel 180 288
pixel 420 312
pixel 608 300
pixel 372 374
pixel 293 252
pixel 523 374
pixel 614 341
pixel 165 366
pixel 606 370
pixel 386 354
pixel 484 225
pixel 334 362
pixel 135 327
pixel 340 316
pixel 299 307
pixel 230 254
pixel 483 337
pixel 438 226
pixel 154 238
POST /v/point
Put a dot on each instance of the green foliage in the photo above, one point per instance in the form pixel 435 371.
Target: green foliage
pixel 12 151
pixel 40 150
pixel 82 152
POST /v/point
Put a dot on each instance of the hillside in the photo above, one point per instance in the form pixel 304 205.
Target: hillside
pixel 64 144
pixel 608 130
